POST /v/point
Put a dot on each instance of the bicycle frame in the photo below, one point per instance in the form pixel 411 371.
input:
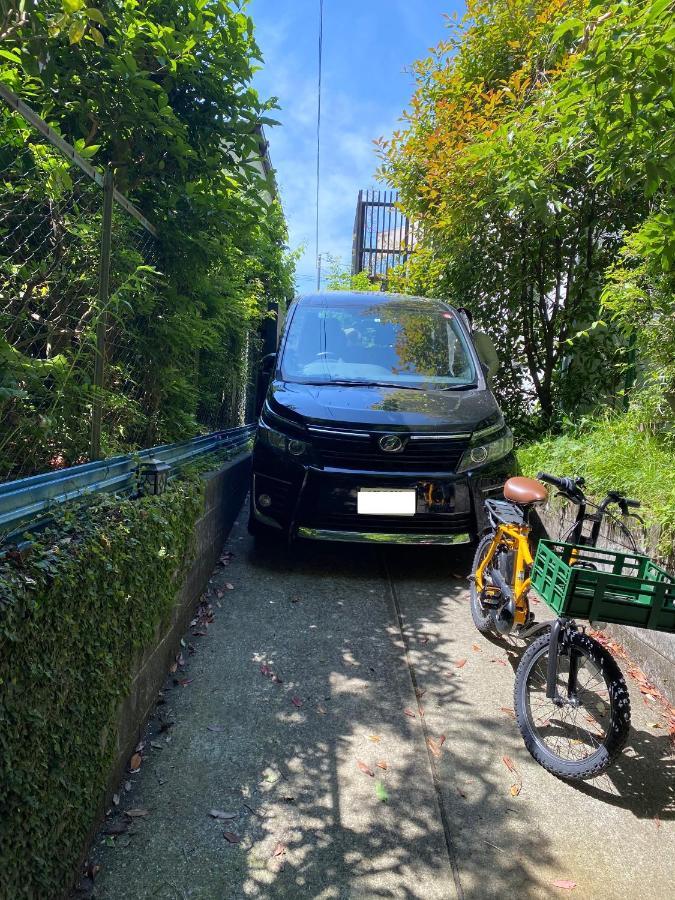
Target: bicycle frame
pixel 514 538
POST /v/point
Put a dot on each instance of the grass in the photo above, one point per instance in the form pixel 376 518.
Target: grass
pixel 615 454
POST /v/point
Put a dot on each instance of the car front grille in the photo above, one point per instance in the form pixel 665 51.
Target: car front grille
pixel 354 451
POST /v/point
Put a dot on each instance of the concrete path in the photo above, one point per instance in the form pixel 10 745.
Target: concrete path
pixel 370 766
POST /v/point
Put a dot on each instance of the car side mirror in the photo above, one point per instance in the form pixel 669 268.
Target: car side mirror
pixel 487 353
pixel 267 364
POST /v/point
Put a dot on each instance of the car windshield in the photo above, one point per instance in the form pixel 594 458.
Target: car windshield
pixel 408 343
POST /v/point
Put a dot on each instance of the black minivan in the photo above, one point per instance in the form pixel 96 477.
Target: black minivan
pixel 378 425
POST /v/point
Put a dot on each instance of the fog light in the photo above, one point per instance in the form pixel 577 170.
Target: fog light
pixel 264 500
pixel 479 454
pixel 296 448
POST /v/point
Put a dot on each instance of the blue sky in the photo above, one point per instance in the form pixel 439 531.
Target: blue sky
pixel 368 44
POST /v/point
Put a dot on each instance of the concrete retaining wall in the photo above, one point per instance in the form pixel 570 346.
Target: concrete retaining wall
pixel 225 493
pixel 653 651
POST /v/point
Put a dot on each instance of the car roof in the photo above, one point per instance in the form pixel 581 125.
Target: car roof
pixel 349 298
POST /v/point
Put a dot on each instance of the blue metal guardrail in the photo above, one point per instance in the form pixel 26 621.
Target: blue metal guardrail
pixel 28 499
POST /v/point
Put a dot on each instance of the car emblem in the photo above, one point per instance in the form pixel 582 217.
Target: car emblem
pixel 391 443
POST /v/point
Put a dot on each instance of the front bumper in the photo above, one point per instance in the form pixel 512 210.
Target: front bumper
pixel 371 537
pixel 321 503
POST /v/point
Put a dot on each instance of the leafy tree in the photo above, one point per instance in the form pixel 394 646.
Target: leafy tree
pixel 340 278
pixel 162 92
pixel 538 135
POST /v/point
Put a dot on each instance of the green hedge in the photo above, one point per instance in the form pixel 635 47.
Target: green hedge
pixel 72 615
pixel 615 454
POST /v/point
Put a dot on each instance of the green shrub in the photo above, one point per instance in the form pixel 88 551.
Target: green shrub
pixel 72 615
pixel 616 454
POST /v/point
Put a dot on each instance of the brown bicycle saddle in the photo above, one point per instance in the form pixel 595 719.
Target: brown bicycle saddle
pixel 525 491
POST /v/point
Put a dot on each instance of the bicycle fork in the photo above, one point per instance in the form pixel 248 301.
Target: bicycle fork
pixel 560 631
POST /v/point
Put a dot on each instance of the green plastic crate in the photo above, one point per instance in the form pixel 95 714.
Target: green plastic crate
pixel 622 588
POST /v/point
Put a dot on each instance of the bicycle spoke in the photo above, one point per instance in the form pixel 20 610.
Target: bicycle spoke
pixel 573 727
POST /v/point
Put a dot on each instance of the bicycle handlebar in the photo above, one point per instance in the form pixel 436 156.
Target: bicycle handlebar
pixel 572 488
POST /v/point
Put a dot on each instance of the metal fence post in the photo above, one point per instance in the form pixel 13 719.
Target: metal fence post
pixel 102 324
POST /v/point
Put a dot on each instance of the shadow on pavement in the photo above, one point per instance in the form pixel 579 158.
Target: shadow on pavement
pixel 308 821
pixel 335 847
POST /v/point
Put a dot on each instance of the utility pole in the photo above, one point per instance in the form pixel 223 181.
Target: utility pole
pixel 318 272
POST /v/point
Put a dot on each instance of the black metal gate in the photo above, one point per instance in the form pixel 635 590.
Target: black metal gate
pixel 383 236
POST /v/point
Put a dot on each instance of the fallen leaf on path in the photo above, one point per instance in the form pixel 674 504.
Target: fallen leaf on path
pixel 424 640
pixel 657 821
pixel 228 586
pixel 420 694
pixel 156 745
pixel 383 764
pixel 296 701
pixel 564 884
pixel 265 670
pixel 135 762
pixel 408 712
pixel 185 681
pixel 510 765
pixel 434 747
pixel 381 792
pixel 116 799
pixel 501 662
pixel 656 725
pixel 136 813
pixel 375 738
pixel 277 680
pixel 173 667
pixel 508 711
pixel 279 850
pixel 461 793
pixel 365 769
pixel 199 633
pixel 217 728
pixel 220 814
pixel 321 710
pixel 460 663
pixel 476 648
pixel 231 837
pixel 515 789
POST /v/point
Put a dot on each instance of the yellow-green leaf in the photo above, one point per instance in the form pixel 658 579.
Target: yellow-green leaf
pixel 76 32
pixel 95 15
pixel 96 35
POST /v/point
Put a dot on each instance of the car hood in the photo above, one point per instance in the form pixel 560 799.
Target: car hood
pixel 382 407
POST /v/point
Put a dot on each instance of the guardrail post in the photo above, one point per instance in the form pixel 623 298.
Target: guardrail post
pixel 102 324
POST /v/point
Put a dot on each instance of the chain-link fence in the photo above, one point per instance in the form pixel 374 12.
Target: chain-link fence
pixel 50 233
pixel 87 332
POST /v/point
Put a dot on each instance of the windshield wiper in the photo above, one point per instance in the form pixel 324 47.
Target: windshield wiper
pixel 461 387
pixel 345 383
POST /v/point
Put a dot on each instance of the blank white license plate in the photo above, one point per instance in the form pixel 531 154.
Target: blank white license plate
pixel 381 502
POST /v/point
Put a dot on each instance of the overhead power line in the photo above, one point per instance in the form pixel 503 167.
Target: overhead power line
pixel 318 146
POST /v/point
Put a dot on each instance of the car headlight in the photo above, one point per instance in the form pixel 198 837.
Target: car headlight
pixel 281 442
pixel 486 447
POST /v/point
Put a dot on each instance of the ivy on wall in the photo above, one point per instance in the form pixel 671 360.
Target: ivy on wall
pixel 73 614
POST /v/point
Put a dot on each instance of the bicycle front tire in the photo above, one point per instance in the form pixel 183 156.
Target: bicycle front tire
pixel 578 739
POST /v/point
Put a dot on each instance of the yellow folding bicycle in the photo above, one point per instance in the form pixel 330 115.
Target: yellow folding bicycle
pixel 570 698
